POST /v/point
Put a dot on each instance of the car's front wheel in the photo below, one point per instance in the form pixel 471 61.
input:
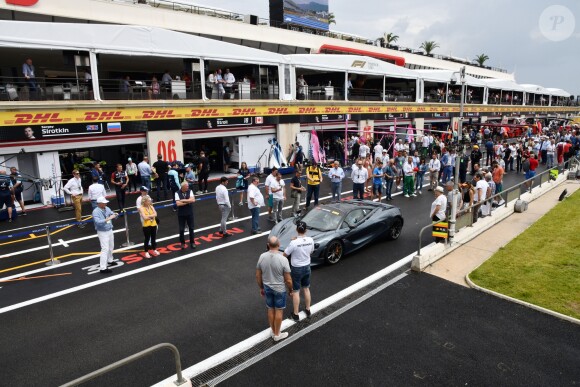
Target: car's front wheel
pixel 395 230
pixel 333 252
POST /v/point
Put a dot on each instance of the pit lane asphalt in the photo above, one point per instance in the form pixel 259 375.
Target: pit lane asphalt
pixel 203 304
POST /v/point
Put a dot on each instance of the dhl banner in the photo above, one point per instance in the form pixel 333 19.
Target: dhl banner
pixel 81 116
pixel 441 230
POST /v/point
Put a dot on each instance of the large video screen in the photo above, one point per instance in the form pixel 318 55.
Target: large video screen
pixel 308 13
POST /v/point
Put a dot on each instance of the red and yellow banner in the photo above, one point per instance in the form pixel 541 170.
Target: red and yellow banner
pixel 58 115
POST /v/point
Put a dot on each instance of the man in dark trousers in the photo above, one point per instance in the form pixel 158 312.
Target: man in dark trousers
pixel 202 172
pixel 161 169
pixel 184 199
pixel 475 156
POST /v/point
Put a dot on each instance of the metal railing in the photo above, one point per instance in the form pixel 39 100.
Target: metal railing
pixel 180 380
pixel 194 9
pixel 466 216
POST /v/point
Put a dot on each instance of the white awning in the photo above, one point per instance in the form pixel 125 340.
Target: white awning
pixel 352 64
pixel 558 92
pixel 127 40
pixel 444 76
pixel 503 84
pixel 536 89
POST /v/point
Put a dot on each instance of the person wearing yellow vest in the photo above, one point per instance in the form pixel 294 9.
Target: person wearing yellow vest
pixel 313 178
pixel 149 218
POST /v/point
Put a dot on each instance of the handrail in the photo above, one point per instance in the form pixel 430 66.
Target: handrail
pixel 571 162
pixel 180 380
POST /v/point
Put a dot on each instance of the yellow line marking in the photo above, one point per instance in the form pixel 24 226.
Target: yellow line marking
pixel 35 277
pixel 32 236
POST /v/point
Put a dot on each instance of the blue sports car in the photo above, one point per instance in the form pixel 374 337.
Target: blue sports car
pixel 341 228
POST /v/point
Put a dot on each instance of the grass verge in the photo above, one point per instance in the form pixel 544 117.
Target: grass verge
pixel 542 265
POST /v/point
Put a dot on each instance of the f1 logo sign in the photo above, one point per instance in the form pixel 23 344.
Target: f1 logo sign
pixel 25 3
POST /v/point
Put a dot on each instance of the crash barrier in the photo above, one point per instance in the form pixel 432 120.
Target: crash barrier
pixel 181 381
pixel 512 197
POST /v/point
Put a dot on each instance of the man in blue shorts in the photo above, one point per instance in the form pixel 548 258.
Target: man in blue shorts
pixel 378 175
pixel 299 251
pixel 273 278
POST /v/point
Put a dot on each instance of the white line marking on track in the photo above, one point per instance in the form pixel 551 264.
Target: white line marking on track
pixel 134 246
pixel 63 243
pixel 254 340
pixel 126 274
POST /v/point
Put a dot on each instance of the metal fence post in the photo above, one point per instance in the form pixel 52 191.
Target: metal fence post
pixel 128 243
pixel 52 261
pixel 233 217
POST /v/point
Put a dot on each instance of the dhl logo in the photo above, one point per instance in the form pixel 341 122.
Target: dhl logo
pixel 204 113
pixel 355 110
pixel 244 112
pixel 407 109
pixel 156 114
pixel 391 109
pixel 103 116
pixel 358 63
pixel 273 110
pixel 331 109
pixel 38 118
pixel 374 110
pixel 421 109
pixel 306 110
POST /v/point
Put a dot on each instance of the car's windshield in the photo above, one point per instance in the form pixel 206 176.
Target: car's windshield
pixel 323 219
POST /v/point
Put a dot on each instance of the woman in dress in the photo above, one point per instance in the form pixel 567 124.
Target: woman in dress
pixel 242 182
pixel 148 218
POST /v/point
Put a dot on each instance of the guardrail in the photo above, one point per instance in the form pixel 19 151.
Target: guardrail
pixel 465 217
pixel 180 379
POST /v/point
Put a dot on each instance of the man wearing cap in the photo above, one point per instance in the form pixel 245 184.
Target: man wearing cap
pixel 438 208
pixel 103 218
pixel 131 169
pixel 223 200
pixel 144 192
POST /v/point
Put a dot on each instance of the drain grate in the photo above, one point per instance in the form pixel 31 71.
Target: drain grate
pixel 245 359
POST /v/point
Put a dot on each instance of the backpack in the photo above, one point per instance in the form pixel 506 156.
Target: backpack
pixel 526 165
pixel 173 184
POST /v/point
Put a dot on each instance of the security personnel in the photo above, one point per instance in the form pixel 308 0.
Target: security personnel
pixel 6 193
pixel 314 178
pixel 120 180
pixel 184 199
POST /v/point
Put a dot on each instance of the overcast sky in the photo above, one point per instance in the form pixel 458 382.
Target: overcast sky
pixel 508 31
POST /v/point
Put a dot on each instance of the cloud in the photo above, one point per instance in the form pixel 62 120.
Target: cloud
pixel 507 31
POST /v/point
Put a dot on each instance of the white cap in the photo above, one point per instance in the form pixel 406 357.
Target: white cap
pixel 102 199
pixel 439 189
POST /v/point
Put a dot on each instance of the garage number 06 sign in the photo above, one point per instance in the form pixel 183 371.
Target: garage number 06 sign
pixel 167 143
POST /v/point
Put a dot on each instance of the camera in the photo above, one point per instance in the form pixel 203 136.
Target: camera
pixel 453 81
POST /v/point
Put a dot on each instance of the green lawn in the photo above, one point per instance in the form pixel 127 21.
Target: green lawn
pixel 542 265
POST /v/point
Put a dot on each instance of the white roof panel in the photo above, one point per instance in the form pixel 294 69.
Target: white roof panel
pixel 444 76
pixel 127 40
pixel 503 84
pixel 350 63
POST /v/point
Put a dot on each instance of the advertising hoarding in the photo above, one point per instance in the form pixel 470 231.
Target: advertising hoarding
pixel 307 13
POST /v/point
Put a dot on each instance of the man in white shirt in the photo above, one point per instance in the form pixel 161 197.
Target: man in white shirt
pixel 434 167
pixel 438 208
pixel 551 152
pixel 399 147
pixel 255 201
pixel 336 175
pixel 425 146
pixel 279 193
pixel 481 188
pixel 299 251
pixel 378 151
pixel 74 188
pixel 96 190
pixel 229 80
pixel 359 177
pixel 223 200
pixel 363 150
pixel 269 180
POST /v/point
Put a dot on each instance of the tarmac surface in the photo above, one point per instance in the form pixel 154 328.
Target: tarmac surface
pixel 62 322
